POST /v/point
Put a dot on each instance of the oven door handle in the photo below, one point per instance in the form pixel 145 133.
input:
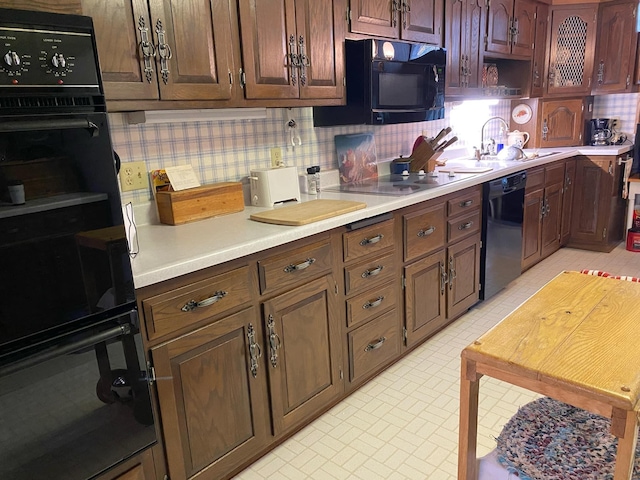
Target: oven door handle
pixel 58 351
pixel 53 124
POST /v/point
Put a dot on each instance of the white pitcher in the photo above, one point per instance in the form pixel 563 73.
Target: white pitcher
pixel 517 138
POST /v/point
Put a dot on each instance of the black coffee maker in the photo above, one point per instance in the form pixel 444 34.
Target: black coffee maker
pixel 600 131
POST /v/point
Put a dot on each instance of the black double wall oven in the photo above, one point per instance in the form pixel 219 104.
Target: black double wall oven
pixel 74 393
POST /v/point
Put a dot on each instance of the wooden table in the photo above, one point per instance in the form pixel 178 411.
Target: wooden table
pixel 576 340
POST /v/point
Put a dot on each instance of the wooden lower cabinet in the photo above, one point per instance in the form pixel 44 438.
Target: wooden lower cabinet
pixel 147 465
pixel 567 200
pixel 543 213
pixel 303 352
pixel 212 396
pixel 598 208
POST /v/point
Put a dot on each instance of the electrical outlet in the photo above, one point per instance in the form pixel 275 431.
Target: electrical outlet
pixel 276 157
pixel 134 176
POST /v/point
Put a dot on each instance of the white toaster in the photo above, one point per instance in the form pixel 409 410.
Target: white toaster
pixel 274 185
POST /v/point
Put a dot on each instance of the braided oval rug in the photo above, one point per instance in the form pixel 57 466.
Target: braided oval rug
pixel 550 440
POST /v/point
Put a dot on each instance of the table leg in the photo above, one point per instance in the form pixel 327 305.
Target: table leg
pixel 468 430
pixel 627 433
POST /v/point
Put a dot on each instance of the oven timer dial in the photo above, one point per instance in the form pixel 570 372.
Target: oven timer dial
pixel 58 61
pixel 12 59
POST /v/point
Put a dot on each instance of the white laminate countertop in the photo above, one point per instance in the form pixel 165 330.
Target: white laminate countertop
pixel 170 251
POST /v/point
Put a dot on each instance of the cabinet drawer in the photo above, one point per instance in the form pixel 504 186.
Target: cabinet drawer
pixel 371 272
pixel 535 179
pixel 424 231
pixel 373 344
pixel 554 174
pixel 179 308
pixel 367 240
pixel 461 227
pixel 371 303
pixel 294 266
pixel 470 200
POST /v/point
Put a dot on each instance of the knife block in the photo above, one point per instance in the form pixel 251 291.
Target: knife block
pixel 423 158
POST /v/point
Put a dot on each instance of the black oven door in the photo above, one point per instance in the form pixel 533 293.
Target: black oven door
pixel 64 258
pixel 77 405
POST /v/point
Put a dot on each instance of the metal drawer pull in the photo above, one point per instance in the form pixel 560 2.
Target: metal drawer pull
pixel 465 226
pixel 444 278
pixel 374 303
pixel 300 266
pixel 372 272
pixel 427 232
pixel 372 240
pixel 374 346
pixel 274 341
pixel 452 272
pixel 466 203
pixel 192 304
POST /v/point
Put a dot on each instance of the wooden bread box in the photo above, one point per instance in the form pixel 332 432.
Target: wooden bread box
pixel 175 208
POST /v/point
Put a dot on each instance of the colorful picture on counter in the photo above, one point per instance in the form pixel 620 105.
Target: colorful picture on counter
pixel 357 160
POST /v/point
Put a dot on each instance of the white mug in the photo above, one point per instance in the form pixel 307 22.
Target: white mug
pixel 17 194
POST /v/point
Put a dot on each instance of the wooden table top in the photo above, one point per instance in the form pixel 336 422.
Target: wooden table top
pixel 580 332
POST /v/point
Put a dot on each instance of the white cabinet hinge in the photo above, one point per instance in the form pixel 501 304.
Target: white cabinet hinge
pixel 604 233
pixel 341 375
pixel 151 373
pixel 404 334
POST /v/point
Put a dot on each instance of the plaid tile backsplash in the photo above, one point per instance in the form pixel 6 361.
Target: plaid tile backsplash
pixel 227 150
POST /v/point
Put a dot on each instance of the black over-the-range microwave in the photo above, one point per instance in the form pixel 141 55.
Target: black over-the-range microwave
pixel 389 82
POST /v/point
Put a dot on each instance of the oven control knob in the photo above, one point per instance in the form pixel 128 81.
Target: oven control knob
pixel 12 59
pixel 58 60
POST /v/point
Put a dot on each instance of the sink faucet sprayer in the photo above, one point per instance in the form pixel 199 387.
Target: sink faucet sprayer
pixel 483 147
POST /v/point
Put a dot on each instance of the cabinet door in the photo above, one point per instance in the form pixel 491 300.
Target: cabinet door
pixel 567 200
pixel 573 31
pixel 425 297
pixel 194 48
pixel 304 353
pixel 538 76
pixel 422 21
pixel 531 228
pixel 214 409
pixel 475 18
pixel 616 42
pixel 499 26
pixel 591 200
pixel 375 17
pixel 454 43
pixel 269 38
pixel 321 30
pixel 561 123
pixel 524 24
pixel 551 219
pixel 464 276
pixel 121 27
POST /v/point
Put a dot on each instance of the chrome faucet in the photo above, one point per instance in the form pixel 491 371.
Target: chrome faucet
pixel 484 148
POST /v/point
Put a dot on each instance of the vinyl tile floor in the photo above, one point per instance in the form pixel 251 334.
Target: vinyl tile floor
pixel 403 424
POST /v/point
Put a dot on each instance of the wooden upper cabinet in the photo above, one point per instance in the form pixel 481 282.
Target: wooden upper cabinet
pixel 538 76
pixel 466 23
pixel 615 47
pixel 511 28
pixel 417 21
pixel 561 122
pixel 293 49
pixel 572 43
pixel 56 6
pixel 164 49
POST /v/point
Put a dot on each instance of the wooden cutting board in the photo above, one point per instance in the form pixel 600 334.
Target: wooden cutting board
pixel 307 212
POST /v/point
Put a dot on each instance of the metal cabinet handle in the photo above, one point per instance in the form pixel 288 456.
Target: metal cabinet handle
pixel 444 278
pixel 255 352
pixel 466 203
pixel 371 240
pixel 427 232
pixel 465 226
pixel 164 51
pixel 601 72
pixel 375 346
pixel 147 49
pixel 192 304
pixel 293 59
pixel 452 272
pixel 545 129
pixel 303 61
pixel 395 7
pixel 372 272
pixel 373 303
pixel 406 9
pixel 301 266
pixel 274 341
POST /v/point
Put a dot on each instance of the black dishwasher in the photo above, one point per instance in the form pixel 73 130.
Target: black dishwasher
pixel 503 209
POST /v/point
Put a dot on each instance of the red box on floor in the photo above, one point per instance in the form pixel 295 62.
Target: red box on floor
pixel 633 240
